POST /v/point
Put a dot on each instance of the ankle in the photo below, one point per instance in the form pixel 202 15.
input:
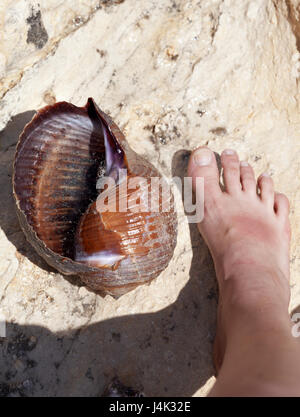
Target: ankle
pixel 242 255
pixel 255 324
pixel 257 305
pixel 254 285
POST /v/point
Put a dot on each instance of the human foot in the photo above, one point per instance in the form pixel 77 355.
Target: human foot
pixel 246 228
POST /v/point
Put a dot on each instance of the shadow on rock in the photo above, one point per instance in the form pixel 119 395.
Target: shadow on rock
pixel 165 353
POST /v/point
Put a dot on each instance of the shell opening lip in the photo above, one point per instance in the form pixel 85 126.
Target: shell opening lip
pixel 81 143
pixel 114 154
pixel 105 258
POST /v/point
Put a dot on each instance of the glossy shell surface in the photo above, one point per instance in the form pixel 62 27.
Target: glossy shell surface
pixel 60 156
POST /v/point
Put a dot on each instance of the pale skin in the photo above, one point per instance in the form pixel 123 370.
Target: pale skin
pixel 246 228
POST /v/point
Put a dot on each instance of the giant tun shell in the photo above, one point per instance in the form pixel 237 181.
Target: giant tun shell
pixel 58 160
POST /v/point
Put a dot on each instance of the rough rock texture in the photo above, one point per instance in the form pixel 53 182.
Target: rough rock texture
pixel 173 74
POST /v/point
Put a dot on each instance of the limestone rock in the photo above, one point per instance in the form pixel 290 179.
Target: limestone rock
pixel 173 74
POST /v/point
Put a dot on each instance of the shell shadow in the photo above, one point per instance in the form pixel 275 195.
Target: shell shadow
pixel 164 353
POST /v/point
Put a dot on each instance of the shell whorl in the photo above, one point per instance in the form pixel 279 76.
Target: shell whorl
pixel 58 159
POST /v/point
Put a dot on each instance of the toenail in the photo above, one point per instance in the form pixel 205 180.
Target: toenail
pixel 202 157
pixel 265 174
pixel 244 164
pixel 229 152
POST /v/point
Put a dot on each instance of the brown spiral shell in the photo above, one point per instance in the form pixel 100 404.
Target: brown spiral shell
pixel 59 158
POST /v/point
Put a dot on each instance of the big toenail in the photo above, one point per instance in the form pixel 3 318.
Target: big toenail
pixel 244 164
pixel 229 152
pixel 202 157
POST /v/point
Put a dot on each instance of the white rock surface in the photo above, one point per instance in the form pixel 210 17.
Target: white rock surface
pixel 173 74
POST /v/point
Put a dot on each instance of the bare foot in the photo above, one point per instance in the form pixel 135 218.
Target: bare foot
pixel 247 230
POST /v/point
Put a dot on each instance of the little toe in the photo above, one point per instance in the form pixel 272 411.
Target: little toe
pixel 202 164
pixel 281 205
pixel 247 178
pixel 266 188
pixel 231 171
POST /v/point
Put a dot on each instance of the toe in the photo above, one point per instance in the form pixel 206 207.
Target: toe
pixel 202 164
pixel 266 187
pixel 281 205
pixel 247 178
pixel 231 171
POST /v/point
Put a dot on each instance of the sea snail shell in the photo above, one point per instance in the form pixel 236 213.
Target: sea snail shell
pixel 60 156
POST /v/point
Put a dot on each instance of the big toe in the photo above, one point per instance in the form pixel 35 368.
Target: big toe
pixel 203 165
